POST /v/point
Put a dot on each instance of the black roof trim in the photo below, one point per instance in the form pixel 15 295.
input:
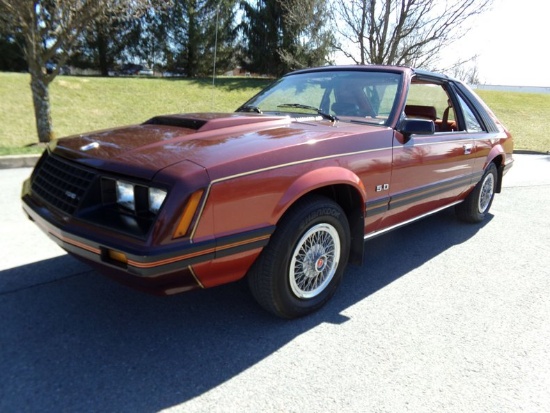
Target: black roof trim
pixel 359 68
pixel 427 74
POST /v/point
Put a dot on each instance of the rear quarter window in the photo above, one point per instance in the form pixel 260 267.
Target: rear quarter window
pixel 471 123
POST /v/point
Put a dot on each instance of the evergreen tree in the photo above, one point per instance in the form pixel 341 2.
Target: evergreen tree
pixel 12 55
pixel 261 28
pixel 101 45
pixel 148 38
pixel 198 37
pixel 284 35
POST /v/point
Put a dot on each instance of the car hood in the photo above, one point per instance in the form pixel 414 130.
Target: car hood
pixel 218 142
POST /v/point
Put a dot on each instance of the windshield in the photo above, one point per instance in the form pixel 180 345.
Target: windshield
pixel 353 96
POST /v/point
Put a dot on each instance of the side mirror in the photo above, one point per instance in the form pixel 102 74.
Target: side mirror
pixel 410 127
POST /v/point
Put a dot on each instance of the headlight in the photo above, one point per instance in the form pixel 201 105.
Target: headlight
pixel 156 198
pixel 125 195
pixel 138 198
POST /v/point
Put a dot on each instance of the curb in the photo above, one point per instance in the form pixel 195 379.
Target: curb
pixel 18 161
pixel 529 152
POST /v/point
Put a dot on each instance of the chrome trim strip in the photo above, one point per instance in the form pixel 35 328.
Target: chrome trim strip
pixel 199 215
pixel 195 276
pixel 383 231
pixel 438 142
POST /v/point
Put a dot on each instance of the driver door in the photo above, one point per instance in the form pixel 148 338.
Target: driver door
pixel 429 172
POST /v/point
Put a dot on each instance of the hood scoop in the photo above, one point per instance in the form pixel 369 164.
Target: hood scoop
pixel 202 122
pixel 177 121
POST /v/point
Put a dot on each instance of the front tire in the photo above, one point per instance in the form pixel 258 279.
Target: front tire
pixel 477 204
pixel 303 264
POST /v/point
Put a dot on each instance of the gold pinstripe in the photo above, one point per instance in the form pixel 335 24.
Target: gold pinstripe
pixel 271 168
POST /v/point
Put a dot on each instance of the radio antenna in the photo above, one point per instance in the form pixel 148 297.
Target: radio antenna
pixel 215 52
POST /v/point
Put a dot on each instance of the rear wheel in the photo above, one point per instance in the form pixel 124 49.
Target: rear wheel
pixel 302 266
pixel 477 204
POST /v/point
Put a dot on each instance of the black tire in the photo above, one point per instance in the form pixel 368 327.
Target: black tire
pixel 303 264
pixel 478 202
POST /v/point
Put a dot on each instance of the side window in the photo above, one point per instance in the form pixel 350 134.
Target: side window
pixel 431 101
pixel 470 121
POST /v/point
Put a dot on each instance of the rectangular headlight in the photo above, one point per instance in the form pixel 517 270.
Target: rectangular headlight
pixel 156 198
pixel 125 195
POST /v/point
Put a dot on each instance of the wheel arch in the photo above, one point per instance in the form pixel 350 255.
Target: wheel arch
pixel 343 187
pixel 496 156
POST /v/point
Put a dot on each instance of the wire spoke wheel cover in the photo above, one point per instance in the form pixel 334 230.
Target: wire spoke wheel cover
pixel 314 261
pixel 486 193
pixel 476 205
pixel 304 262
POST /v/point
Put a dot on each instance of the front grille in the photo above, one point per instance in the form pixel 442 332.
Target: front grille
pixel 61 183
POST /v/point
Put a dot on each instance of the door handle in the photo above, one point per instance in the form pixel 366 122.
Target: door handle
pixel 468 148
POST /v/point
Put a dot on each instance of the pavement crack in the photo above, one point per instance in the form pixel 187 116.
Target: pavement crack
pixel 31 286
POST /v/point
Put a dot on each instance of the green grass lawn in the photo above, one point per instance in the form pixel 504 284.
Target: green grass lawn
pixel 82 104
pixel 524 114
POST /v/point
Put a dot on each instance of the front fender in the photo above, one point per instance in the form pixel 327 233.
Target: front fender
pixel 316 179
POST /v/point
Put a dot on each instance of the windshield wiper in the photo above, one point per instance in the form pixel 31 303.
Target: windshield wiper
pixel 328 116
pixel 365 122
pixel 249 108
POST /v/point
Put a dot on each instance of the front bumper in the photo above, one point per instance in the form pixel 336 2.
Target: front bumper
pixel 158 269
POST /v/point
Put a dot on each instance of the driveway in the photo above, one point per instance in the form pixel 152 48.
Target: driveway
pixel 442 317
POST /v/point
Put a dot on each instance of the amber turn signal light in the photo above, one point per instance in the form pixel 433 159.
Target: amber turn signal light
pixel 117 256
pixel 188 214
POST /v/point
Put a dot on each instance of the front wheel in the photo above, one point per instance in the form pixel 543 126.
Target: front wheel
pixel 477 204
pixel 301 267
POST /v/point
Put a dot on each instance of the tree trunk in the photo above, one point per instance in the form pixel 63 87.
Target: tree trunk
pixel 102 51
pixel 41 100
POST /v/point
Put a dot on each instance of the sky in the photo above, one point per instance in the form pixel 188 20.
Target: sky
pixel 511 41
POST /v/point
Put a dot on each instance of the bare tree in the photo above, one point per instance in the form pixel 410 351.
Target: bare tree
pixel 467 71
pixel 402 32
pixel 50 29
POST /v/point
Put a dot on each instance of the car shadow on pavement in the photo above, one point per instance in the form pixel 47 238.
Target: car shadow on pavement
pixel 80 342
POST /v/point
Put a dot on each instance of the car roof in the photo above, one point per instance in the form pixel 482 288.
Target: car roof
pixel 359 68
pixel 375 68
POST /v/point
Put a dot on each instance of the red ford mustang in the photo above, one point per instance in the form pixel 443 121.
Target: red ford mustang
pixel 283 191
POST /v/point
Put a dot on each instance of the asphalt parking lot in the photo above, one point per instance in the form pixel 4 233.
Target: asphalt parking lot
pixel 442 317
